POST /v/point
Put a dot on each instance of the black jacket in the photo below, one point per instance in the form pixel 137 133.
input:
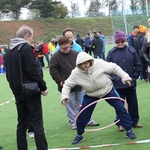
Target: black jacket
pixel 79 41
pixel 146 51
pixel 139 41
pixel 97 45
pixel 30 70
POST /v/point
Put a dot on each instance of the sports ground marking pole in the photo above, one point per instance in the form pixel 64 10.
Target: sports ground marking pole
pixel 104 145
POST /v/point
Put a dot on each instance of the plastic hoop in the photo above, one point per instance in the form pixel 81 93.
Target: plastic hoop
pixel 98 129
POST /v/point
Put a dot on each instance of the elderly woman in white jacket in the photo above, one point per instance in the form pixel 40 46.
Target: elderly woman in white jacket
pixel 93 76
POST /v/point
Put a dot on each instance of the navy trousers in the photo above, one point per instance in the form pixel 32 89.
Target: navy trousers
pixel 121 112
pixel 130 95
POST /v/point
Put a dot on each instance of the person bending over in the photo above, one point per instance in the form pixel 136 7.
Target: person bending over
pixel 94 77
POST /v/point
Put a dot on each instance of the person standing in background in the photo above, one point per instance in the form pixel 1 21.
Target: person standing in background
pixel 127 58
pixel 1 61
pixel 102 37
pixel 132 36
pixel 80 41
pixel 139 42
pixel 96 46
pixel 87 42
pixel 68 32
pixel 40 53
pixel 1 65
pixel 46 53
pixel 146 49
pixel 52 46
pixel 26 106
pixel 61 64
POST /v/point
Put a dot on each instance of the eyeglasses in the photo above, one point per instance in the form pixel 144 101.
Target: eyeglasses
pixel 118 42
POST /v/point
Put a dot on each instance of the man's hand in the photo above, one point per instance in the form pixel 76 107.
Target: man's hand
pixel 64 102
pixel 44 93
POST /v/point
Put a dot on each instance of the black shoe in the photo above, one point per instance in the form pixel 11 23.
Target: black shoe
pixel 78 139
pixel 1 147
pixel 130 135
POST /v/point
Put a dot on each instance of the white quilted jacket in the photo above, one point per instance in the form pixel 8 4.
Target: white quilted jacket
pixel 96 82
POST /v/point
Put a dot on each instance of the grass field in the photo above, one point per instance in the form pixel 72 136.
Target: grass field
pixel 59 134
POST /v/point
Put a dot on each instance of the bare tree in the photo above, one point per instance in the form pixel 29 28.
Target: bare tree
pixel 134 6
pixel 112 6
pixel 94 9
pixel 122 3
pixel 74 9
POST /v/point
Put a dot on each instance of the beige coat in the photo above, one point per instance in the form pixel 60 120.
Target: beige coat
pixel 96 82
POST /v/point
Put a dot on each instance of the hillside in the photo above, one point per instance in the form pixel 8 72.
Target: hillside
pixel 8 29
pixel 46 28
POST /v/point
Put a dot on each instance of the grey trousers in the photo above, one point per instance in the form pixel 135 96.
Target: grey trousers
pixel 72 107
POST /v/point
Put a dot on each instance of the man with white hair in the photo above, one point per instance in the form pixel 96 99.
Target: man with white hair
pixel 22 51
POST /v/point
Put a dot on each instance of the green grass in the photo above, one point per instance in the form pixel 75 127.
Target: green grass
pixel 59 133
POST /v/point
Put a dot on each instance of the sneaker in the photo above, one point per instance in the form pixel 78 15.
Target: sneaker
pixel 130 135
pixel 78 139
pixel 121 128
pixel 31 135
pixel 1 147
pixel 137 125
pixel 93 123
pixel 73 127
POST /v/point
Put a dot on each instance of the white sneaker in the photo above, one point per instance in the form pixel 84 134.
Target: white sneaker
pixel 31 135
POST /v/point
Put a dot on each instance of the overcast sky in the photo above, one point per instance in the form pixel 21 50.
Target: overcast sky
pixel 79 2
pixel 67 3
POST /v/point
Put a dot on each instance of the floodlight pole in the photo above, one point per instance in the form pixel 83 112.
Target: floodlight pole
pixel 147 8
pixel 125 23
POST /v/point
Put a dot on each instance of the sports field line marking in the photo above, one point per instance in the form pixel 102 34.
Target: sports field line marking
pixel 6 102
pixel 104 145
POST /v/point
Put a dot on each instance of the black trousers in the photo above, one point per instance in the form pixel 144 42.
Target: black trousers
pixel 41 59
pixel 88 50
pixel 30 106
pixel 131 97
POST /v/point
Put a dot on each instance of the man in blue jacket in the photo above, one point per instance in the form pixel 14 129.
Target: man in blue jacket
pixel 68 32
pixel 87 42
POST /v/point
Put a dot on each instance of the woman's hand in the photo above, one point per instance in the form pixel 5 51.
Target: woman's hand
pixel 128 82
pixel 64 101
